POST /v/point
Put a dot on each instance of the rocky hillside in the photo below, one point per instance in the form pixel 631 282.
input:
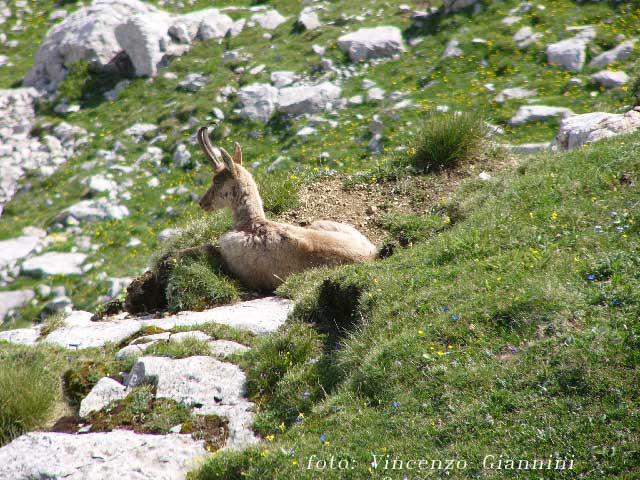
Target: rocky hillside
pixel 100 173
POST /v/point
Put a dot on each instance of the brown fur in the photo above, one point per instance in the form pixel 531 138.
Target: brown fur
pixel 262 253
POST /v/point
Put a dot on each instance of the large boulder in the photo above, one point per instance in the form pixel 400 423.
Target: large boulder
pixel 578 130
pixel 145 39
pixel 617 54
pixel 104 455
pixel 377 42
pixel 259 101
pixel 203 24
pixel 307 99
pixel 120 35
pixel 572 52
pixel 87 34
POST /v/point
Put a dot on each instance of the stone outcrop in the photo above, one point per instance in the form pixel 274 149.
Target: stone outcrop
pixel 369 43
pixel 572 52
pixel 258 101
pixel 125 36
pixel 617 54
pixel 307 99
pixel 19 152
pixel 214 387
pixel 110 455
pixel 54 263
pixel 578 130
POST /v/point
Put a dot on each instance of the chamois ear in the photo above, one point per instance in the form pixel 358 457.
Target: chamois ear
pixel 237 154
pixel 228 161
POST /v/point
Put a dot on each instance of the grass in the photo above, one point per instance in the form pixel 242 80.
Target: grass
pixel 444 141
pixel 459 83
pixel 513 332
pixel 188 347
pixel 195 285
pixel 52 323
pixel 29 389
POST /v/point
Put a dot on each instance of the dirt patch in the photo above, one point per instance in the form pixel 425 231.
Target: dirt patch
pixel 365 205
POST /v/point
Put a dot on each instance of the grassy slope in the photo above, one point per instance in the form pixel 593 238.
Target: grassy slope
pixel 454 82
pixel 531 358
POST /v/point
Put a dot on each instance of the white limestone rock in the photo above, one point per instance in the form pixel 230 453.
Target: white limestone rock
pixel 13 299
pixel 307 98
pixel 282 78
pixel 215 387
pixel 225 348
pixel 368 43
pixel 308 19
pixel 95 334
pixel 137 130
pixel 118 454
pixel 259 101
pixel 93 210
pixel 104 392
pixel 578 130
pixel 610 79
pixel 525 37
pixel 452 49
pixel 100 184
pixel 54 263
pixel 260 316
pixel 269 20
pixel 193 82
pixel 87 34
pixel 20 336
pixel 15 249
pixel 537 113
pixel 617 54
pixel 145 39
pixel 571 53
pixel 514 94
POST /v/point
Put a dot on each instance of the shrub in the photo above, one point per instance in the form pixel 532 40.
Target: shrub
pixel 196 284
pixel 28 392
pixel 447 140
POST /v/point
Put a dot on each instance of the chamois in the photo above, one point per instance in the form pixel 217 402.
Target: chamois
pixel 262 253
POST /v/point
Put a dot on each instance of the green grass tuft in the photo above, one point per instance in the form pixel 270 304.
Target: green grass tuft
pixel 446 140
pixel 188 347
pixel 196 284
pixel 28 391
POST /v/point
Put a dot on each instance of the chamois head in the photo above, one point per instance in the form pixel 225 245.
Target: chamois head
pixel 232 185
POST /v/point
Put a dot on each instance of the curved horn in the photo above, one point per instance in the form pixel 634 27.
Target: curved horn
pixel 209 151
pixel 228 160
